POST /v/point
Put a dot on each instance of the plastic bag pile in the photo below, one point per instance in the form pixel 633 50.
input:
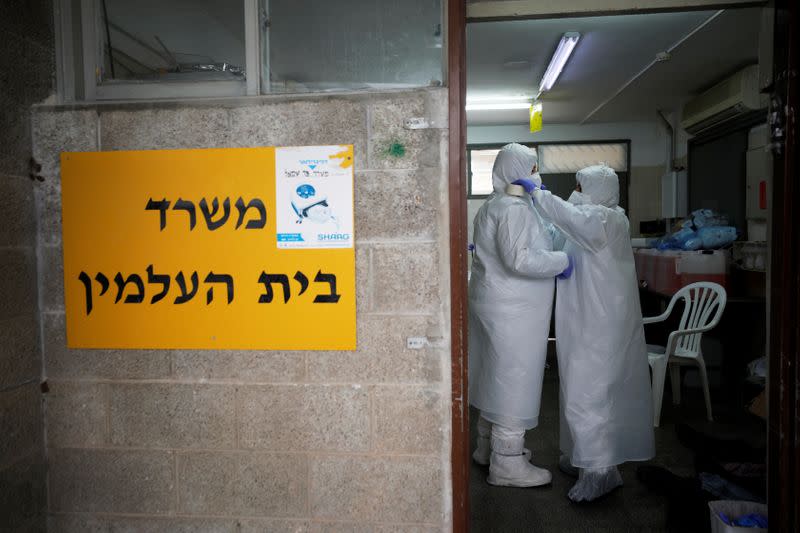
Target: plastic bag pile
pixel 704 229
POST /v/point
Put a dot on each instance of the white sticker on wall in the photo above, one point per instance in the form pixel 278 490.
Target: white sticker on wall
pixel 314 196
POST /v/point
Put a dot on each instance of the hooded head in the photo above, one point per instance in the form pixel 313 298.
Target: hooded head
pixel 512 163
pixel 600 184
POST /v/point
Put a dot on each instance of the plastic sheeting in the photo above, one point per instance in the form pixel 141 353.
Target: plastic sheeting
pixel 510 299
pixel 606 405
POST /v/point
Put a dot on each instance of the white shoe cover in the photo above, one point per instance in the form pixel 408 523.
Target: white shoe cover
pixel 484 450
pixel 565 465
pixel 593 483
pixel 516 471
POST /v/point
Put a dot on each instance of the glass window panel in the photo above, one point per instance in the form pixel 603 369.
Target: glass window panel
pixel 570 158
pixel 481 162
pixel 310 45
pixel 171 40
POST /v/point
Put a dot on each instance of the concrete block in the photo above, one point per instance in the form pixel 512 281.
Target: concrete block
pixel 28 19
pixel 243 484
pixel 17 282
pixel 15 148
pixel 55 132
pixel 48 209
pixel 401 528
pixel 391 145
pixel 20 350
pixel 51 292
pixel 23 493
pixel 164 128
pixel 81 523
pixel 273 485
pixel 382 355
pixel 385 489
pixel 437 107
pixel 342 527
pixel 363 277
pixel 275 526
pixel 111 481
pixel 397 204
pixel 20 423
pixel 241 366
pixel 408 419
pixel 405 277
pixel 77 523
pixel 107 364
pixel 304 417
pixel 76 414
pixel 328 120
pixel 171 525
pixel 172 416
pixel 18 216
pixel 207 483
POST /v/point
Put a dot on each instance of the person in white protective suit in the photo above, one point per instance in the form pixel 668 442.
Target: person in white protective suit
pixel 510 303
pixel 606 405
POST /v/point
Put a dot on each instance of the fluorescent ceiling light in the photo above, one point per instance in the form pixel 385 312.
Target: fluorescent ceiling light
pixel 564 50
pixel 497 106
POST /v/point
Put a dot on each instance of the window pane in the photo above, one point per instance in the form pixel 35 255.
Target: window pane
pixel 350 44
pixel 481 162
pixel 171 40
pixel 563 158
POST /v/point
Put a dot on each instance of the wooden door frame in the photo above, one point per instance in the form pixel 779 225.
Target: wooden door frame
pixel 783 490
pixel 457 186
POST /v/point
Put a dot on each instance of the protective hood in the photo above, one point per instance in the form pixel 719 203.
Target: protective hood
pixel 601 184
pixel 512 163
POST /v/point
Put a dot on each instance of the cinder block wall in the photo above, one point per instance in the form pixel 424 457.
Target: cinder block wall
pixel 254 440
pixel 26 77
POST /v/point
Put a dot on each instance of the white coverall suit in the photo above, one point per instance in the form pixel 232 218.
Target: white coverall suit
pixel 606 404
pixel 510 303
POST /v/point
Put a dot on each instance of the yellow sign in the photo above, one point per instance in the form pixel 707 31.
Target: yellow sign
pixel 536 117
pixel 239 248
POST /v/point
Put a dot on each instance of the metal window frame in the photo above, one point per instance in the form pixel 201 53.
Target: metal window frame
pixel 88 57
pixel 536 145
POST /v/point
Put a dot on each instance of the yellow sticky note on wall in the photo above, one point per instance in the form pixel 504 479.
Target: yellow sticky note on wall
pixel 536 117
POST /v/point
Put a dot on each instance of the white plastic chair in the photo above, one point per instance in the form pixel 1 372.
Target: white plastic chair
pixel 705 302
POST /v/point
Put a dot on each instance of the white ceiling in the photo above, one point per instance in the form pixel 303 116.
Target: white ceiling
pixel 509 58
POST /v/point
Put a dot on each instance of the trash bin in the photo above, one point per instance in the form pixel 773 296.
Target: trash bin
pixel 734 509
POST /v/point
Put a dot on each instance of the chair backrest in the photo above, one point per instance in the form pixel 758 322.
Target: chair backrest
pixel 704 304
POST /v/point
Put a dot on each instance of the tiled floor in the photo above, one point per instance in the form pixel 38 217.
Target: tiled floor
pixel 547 509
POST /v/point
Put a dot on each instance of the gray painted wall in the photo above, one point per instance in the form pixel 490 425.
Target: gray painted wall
pixel 124 451
pixel 26 77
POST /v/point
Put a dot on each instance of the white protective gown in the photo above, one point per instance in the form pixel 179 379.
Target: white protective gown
pixel 510 299
pixel 606 405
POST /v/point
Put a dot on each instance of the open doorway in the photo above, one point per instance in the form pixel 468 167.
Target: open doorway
pixel 635 81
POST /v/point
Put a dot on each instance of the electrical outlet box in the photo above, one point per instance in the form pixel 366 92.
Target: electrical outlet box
pixel 417 123
pixel 416 343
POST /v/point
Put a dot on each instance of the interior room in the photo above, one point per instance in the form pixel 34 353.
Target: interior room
pixel 673 103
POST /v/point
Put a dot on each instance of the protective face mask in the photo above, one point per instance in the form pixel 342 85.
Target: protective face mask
pixel 537 179
pixel 579 198
pixel 319 214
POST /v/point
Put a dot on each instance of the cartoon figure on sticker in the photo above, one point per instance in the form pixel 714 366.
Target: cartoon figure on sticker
pixel 311 206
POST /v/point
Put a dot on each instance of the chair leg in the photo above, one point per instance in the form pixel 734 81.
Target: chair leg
pixel 701 364
pixel 659 376
pixel 675 380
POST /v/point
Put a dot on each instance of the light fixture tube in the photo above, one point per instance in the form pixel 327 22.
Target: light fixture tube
pixel 480 106
pixel 563 51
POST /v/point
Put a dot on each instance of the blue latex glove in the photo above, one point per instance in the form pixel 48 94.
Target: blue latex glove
pixel 526 184
pixel 567 271
pixel 542 187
